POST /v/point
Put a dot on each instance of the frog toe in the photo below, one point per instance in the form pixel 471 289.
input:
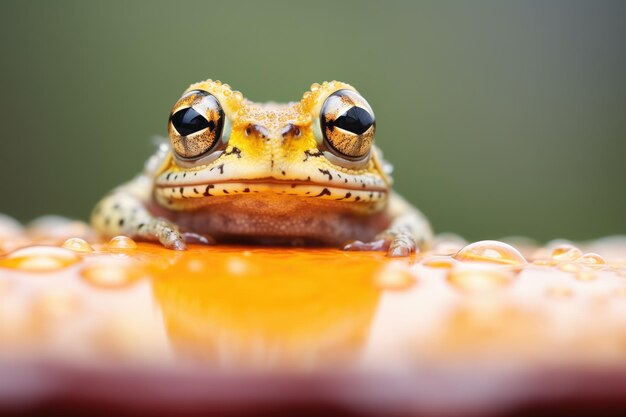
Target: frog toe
pixel 165 232
pixel 171 239
pixel 401 245
pixel 398 249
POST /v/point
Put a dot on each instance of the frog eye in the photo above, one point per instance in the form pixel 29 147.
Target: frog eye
pixel 196 124
pixel 347 123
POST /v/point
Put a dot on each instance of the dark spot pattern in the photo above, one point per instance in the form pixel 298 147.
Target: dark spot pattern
pixel 324 192
pixel 308 154
pixel 348 195
pixel 207 192
pixel 326 172
pixel 235 151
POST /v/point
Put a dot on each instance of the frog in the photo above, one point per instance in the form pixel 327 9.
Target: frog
pixel 234 171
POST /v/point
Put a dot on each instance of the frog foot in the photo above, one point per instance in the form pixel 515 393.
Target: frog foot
pixel 395 244
pixel 164 231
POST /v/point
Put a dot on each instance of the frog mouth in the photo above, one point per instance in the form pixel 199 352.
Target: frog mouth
pixel 359 192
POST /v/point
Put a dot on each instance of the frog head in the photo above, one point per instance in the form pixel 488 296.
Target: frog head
pixel 224 146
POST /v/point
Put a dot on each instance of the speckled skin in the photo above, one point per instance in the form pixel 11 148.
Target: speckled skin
pixel 273 182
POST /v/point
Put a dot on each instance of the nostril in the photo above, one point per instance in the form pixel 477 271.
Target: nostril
pixel 257 130
pixel 291 130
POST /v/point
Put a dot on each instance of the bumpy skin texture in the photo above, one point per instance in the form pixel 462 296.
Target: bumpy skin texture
pixel 272 179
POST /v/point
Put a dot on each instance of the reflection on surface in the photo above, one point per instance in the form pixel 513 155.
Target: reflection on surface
pixel 252 308
pixel 265 308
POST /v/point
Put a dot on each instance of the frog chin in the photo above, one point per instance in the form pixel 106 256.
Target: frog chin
pixel 275 213
pixel 185 196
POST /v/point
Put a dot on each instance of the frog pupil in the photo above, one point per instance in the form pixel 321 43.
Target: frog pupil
pixel 356 120
pixel 188 121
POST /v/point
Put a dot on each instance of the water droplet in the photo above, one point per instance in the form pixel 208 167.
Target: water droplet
pixel 559 291
pixel 586 276
pixel 315 87
pixel 394 276
pixel 40 259
pixel 569 267
pixel 112 274
pixel 438 262
pixel 121 242
pixel 479 279
pixel 238 95
pixel 566 252
pixel 77 244
pixel 491 251
pixel 526 246
pixel 591 259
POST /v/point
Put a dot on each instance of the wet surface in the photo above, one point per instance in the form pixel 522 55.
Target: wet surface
pixel 73 308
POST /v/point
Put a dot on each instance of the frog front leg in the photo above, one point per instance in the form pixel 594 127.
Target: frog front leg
pixel 124 212
pixel 409 231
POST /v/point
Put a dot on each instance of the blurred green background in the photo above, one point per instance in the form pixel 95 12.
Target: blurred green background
pixel 500 117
